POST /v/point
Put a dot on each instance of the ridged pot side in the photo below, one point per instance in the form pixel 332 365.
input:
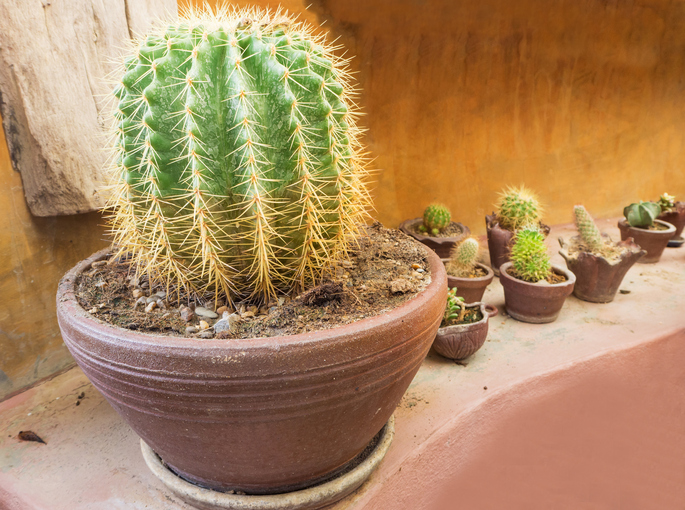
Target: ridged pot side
pixel 533 302
pixel 262 415
pixel 440 245
pixel 471 289
pixel 597 281
pixel 499 242
pixel 460 341
pixel 652 241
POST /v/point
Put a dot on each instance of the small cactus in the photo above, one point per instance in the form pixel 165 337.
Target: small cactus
pixel 463 258
pixel 518 207
pixel 642 215
pixel 666 202
pixel 588 231
pixel 455 309
pixel 529 255
pixel 436 218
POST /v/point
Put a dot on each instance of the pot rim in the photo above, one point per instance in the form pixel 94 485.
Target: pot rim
pixel 487 314
pixel 570 277
pixel 404 227
pixel 671 228
pixel 489 276
pixel 67 304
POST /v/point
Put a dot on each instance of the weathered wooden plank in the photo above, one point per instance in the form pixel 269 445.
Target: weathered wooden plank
pixel 54 56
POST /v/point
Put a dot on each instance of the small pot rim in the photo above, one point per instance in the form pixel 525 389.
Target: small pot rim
pixel 669 230
pixel 404 227
pixel 570 277
pixel 487 310
pixel 490 274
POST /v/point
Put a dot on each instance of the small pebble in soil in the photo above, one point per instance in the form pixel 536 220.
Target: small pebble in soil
pixel 206 334
pixel 221 310
pixel 142 301
pixel 160 304
pixel 99 263
pixel 151 299
pixel 186 314
pixel 137 293
pixel 151 306
pixel 203 312
pixel 222 325
pixel 190 330
pixel 247 314
pixel 93 310
pixel 415 266
pixel 203 325
pixel 160 294
pixel 419 270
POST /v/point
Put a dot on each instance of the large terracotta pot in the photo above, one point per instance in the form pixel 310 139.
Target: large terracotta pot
pixel 471 289
pixel 652 241
pixel 462 340
pixel 440 245
pixel 597 280
pixel 262 415
pixel 675 218
pixel 537 303
pixel 500 241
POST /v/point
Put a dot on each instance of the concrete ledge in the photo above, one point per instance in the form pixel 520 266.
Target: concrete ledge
pixel 584 413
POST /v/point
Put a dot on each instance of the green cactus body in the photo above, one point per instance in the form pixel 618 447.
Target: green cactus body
pixel 588 230
pixel 529 255
pixel 436 218
pixel 237 166
pixel 518 207
pixel 464 257
pixel 666 202
pixel 642 215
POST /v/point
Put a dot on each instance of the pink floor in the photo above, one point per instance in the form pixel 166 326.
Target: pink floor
pixel 585 413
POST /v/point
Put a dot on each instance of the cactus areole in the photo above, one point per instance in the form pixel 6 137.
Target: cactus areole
pixel 237 165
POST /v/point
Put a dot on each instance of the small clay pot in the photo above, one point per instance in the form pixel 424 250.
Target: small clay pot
pixel 462 340
pixel 653 241
pixel 471 289
pixel 500 241
pixel 537 303
pixel 597 280
pixel 440 245
pixel 675 218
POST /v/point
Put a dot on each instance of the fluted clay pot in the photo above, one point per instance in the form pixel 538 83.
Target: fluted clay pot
pixel 259 415
pixel 652 241
pixel 536 303
pixel 675 218
pixel 597 279
pixel 500 240
pixel 440 245
pixel 471 289
pixel 462 340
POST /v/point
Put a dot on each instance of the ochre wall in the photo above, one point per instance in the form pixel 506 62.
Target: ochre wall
pixel 34 254
pixel 581 100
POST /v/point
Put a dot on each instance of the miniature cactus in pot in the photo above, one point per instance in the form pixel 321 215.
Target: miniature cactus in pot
pixel 436 217
pixel 642 214
pixel 518 207
pixel 598 263
pixel 237 165
pixel 529 255
pixel 463 258
pixel 650 233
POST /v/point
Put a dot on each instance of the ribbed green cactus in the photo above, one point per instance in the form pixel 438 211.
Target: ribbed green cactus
pixel 517 207
pixel 238 168
pixel 642 215
pixel 463 257
pixel 529 255
pixel 588 230
pixel 436 217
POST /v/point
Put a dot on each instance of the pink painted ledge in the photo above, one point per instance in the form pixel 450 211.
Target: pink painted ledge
pixel 587 412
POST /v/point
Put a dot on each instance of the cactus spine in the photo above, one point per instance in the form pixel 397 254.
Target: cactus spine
pixel 518 207
pixel 436 218
pixel 463 258
pixel 642 215
pixel 529 255
pixel 588 230
pixel 238 168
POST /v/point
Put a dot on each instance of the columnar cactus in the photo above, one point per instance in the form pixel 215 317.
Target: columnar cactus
pixel 464 257
pixel 518 207
pixel 588 230
pixel 529 255
pixel 238 167
pixel 436 218
pixel 642 215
